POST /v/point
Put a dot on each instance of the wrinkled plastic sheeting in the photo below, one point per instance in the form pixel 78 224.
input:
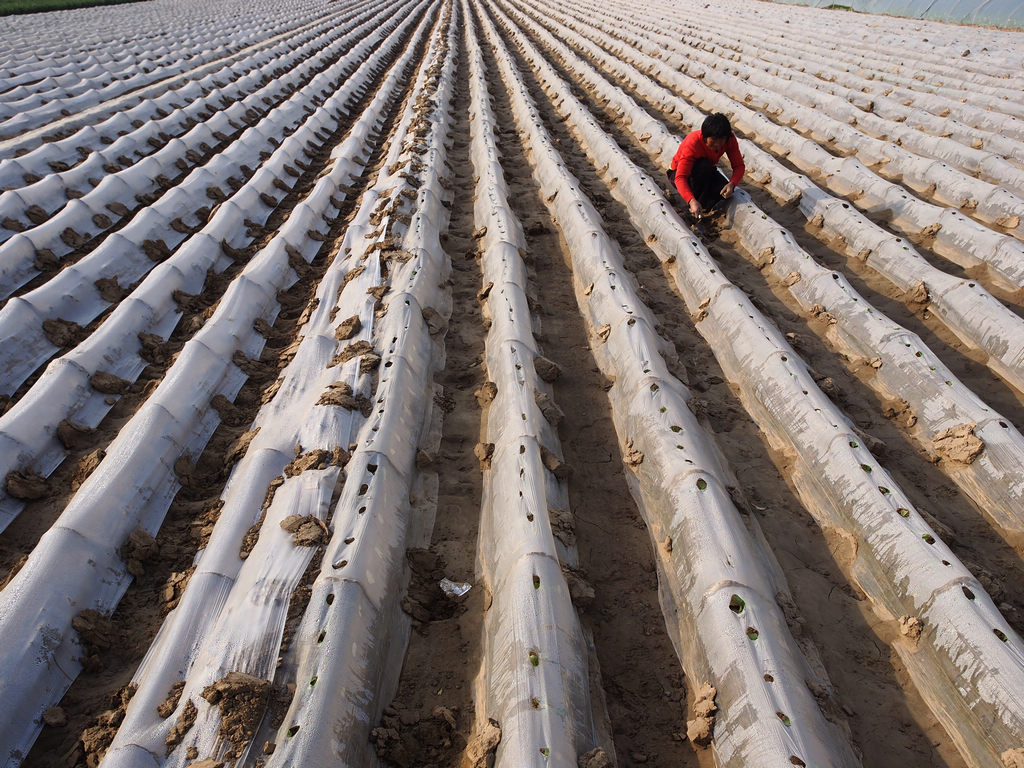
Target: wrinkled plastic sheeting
pixel 200 253
pixel 353 640
pixel 714 572
pixel 290 419
pixel 958 237
pixel 970 311
pixel 898 560
pixel 907 369
pixel 535 648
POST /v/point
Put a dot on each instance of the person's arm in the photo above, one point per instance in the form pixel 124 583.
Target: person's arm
pixel 683 165
pixel 732 150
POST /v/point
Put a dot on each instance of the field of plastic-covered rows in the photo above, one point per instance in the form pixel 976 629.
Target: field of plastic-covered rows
pixel 283 284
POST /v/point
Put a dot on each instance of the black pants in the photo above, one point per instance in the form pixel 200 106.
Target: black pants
pixel 706 183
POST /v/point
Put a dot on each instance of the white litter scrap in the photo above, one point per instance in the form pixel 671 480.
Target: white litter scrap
pixel 720 596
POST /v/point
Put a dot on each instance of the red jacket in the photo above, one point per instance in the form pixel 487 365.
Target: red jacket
pixel 692 147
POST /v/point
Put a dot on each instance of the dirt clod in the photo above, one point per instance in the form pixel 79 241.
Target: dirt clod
pixel 340 394
pixel 55 717
pixel 26 485
pixel 899 410
pixel 242 699
pixel 139 549
pixel 97 738
pixel 85 467
pixel 63 333
pixel 168 705
pixel 108 384
pixel 546 369
pixel 482 745
pixel 348 328
pixel 486 393
pixel 595 758
pixel 959 444
pixel 700 730
pixel 320 458
pixel 181 726
pixel 306 530
pixel 484 452
pixel 548 408
pixel 631 456
pixel 911 628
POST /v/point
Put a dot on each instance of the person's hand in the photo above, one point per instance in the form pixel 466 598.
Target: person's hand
pixel 695 208
pixel 727 189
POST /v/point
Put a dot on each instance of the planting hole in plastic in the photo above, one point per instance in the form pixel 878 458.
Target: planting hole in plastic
pixel 349 540
pixel 784 718
pixel 736 604
pixel 903 512
pixel 293 730
pixel 529 516
pixel 768 678
pixel 339 564
pixel 321 636
pixel 752 633
pixel 675 428
pixel 534 658
pixel 361 511
pixel 536 581
pixel 967 593
pixel 371 468
pixel 702 484
pixel 866 467
pixel 1001 635
pixel 330 599
pixel 928 537
pixel 883 490
pixel 363 489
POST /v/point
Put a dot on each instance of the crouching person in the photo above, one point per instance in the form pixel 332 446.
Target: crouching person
pixel 696 175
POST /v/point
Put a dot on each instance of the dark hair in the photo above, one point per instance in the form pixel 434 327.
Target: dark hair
pixel 716 126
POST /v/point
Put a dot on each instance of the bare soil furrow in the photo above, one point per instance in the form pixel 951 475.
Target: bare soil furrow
pixel 430 719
